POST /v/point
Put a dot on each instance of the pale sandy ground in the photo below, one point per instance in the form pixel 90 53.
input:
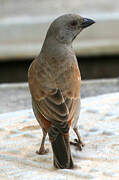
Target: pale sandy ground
pixel 99 127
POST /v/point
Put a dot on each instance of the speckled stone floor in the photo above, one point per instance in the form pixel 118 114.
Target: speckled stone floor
pixel 99 128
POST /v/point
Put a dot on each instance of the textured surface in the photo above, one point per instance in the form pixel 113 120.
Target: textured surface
pixel 99 127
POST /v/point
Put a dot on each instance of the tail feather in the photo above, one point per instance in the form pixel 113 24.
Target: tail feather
pixel 61 151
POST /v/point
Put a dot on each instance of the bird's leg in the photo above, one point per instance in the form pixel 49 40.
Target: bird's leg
pixel 78 142
pixel 42 149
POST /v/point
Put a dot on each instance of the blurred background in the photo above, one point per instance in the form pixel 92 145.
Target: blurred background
pixel 24 23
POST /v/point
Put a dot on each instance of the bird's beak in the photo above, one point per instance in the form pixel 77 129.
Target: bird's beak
pixel 87 22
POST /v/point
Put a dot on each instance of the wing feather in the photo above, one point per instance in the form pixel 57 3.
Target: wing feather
pixel 51 110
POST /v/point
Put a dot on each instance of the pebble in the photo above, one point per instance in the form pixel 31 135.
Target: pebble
pixel 93 129
pixel 92 111
pixel 108 133
pixel 110 174
pixel 15 131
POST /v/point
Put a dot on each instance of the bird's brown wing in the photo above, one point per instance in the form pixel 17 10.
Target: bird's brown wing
pixel 56 110
pixel 54 99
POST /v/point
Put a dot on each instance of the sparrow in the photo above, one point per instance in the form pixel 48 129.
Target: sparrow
pixel 54 82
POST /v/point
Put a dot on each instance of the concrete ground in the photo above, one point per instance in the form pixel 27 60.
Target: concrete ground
pixel 15 97
pixel 20 138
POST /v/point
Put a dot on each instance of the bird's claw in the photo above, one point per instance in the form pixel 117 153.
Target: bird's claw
pixel 42 151
pixel 79 144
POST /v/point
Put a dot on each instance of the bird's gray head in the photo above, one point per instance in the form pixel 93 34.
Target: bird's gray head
pixel 65 28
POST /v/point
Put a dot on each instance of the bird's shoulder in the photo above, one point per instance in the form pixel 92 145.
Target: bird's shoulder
pixel 46 76
pixel 70 81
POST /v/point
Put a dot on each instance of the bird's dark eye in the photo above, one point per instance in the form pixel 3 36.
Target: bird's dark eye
pixel 74 23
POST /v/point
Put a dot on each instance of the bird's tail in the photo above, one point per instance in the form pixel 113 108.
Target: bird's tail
pixel 61 149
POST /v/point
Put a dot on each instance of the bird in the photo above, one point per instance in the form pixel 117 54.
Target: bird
pixel 54 82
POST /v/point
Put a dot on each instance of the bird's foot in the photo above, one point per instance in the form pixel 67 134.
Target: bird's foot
pixel 79 144
pixel 42 151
